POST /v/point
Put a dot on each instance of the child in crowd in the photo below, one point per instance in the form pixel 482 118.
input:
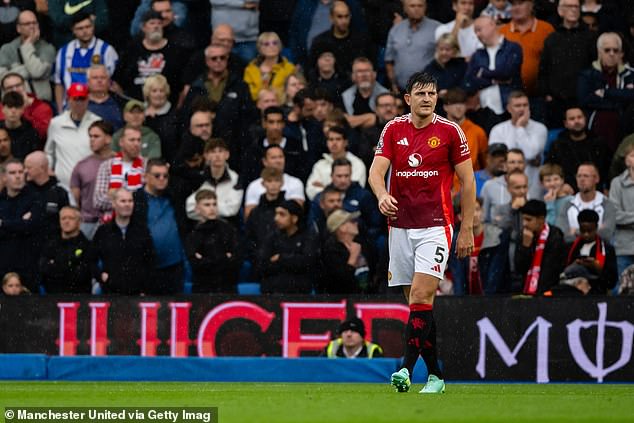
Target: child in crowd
pixel 500 10
pixel 551 177
pixel 12 285
pixel 212 249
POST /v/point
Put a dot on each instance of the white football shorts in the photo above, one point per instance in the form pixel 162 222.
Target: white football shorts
pixel 424 250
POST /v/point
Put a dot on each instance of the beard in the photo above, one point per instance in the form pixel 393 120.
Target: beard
pixel 155 36
pixel 577 132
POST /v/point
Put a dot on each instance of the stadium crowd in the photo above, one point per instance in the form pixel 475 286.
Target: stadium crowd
pixel 145 151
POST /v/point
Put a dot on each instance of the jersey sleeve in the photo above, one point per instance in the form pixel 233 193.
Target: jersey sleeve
pixel 459 147
pixel 384 146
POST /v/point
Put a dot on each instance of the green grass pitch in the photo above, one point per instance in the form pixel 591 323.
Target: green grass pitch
pixel 327 403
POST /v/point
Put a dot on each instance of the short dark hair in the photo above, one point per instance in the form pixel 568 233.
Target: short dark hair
pixel 127 127
pixel 155 162
pixel 588 216
pixel 380 96
pixel 214 143
pixel 79 17
pixel 300 97
pixel 322 94
pixel 273 110
pixel 420 78
pixel 205 194
pixel 516 151
pixel 329 189
pixel 271 146
pixel 339 130
pixel 105 126
pixel 12 99
pixel 340 162
pixel 455 95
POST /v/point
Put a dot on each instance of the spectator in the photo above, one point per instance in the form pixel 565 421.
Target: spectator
pixel 540 256
pixel 385 111
pixel 174 16
pixel 499 10
pixel 461 28
pixel 524 133
pixel 606 88
pixel 289 257
pixel 557 194
pixel 212 249
pixel 360 98
pixel 68 262
pixel 311 18
pixel 455 107
pixel 566 52
pixel 269 69
pixel 160 116
pixel 5 148
pixel 295 82
pixel 576 280
pixel 164 217
pixel 244 19
pixel 53 196
pixel 495 79
pixel 448 69
pixel 261 220
pixel 21 217
pixel 274 157
pixel 100 102
pixel 530 33
pixel 320 176
pixel 67 15
pixel 84 177
pixel 576 145
pixel 235 109
pixel 24 139
pixel 220 179
pixel 618 161
pixel 622 196
pixel 591 20
pixel 273 124
pixel 340 40
pixel 593 253
pixel 347 261
pixel 495 165
pixel 12 285
pixel 410 44
pixel 303 125
pixel 124 170
pixel 36 111
pixel 151 55
pixel 485 271
pixel 587 198
pixel 325 76
pixel 74 58
pixel 324 105
pixel 350 343
pixel 125 249
pixel 330 199
pixel 68 142
pixel 507 215
pixel 29 56
pixel 134 116
pixel 494 192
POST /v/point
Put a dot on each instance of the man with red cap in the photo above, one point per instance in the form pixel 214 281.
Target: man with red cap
pixel 67 142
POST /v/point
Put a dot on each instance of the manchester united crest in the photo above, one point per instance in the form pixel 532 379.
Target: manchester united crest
pixel 433 142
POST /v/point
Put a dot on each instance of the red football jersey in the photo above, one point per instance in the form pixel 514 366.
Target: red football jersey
pixel 422 169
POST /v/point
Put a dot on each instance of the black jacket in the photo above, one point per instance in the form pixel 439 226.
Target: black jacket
pixel 298 260
pixel 67 266
pixel 168 127
pixel 608 276
pixel 217 270
pixel 53 197
pixel 553 261
pixel 24 140
pixel 128 259
pixel 345 49
pixel 261 223
pixel 337 276
pixel 295 161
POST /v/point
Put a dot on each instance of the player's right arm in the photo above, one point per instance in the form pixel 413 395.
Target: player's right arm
pixel 378 170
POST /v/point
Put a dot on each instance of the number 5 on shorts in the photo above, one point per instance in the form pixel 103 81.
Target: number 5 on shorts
pixel 439 256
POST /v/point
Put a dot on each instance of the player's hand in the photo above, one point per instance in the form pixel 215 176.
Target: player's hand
pixel 387 205
pixel 464 245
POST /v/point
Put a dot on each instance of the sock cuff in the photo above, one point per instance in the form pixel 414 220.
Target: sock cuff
pixel 421 307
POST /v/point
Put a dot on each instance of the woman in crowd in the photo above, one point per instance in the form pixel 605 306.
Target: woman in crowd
pixel 269 69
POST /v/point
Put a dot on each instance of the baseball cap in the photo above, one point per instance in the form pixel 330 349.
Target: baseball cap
pixel 354 324
pixel 497 148
pixel 339 217
pixel 133 104
pixel 575 270
pixel 151 14
pixel 77 89
pixel 535 208
pixel 293 207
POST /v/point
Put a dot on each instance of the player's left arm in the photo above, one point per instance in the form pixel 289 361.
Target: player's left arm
pixel 464 244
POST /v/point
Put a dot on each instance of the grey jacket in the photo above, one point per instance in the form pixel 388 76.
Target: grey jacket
pixel 494 193
pixel 35 65
pixel 348 97
pixel 601 204
pixel 245 22
pixel 622 195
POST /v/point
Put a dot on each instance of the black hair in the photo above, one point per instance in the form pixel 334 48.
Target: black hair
pixel 588 216
pixel 339 130
pixel 106 127
pixel 420 78
pixel 273 110
pixel 12 99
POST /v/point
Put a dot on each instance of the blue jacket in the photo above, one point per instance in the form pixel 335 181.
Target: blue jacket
pixel 300 25
pixel 592 79
pixel 508 64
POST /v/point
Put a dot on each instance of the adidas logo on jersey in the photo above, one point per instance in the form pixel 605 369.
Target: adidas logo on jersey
pixel 403 142
pixel 436 268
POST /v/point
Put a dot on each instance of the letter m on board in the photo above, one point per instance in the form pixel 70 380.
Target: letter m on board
pixel 488 331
